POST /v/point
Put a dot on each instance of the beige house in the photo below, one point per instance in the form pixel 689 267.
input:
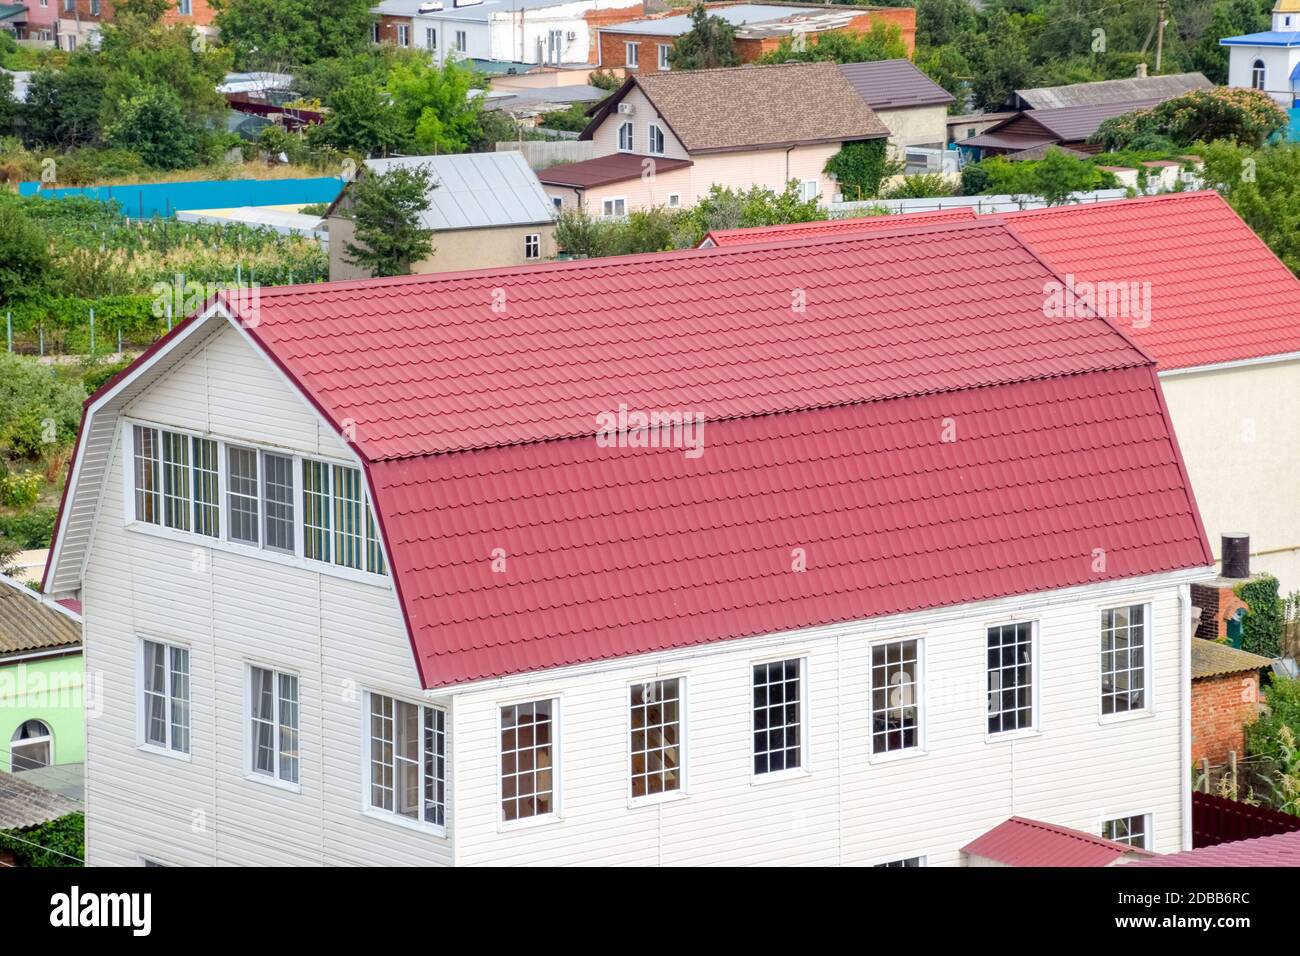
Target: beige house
pixel 665 139
pixel 487 210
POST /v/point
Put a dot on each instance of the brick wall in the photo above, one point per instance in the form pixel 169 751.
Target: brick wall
pixel 201 14
pixel 1221 708
pixel 1217 604
pixel 388 29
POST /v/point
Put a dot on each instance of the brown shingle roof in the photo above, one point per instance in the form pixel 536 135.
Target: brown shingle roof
pixel 28 623
pixel 1212 659
pixel 603 170
pixel 749 107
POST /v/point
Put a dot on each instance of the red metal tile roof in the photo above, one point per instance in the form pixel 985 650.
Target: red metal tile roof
pixel 1280 850
pixel 1218 294
pixel 808 230
pixel 1023 842
pixel 1062 441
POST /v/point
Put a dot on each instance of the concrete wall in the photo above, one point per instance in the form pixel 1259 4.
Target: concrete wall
pixel 453 250
pixel 916 126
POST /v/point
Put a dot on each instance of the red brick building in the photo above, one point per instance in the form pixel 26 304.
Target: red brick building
pixel 1225 698
pixel 641 45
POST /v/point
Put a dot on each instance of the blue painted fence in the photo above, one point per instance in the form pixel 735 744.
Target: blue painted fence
pixel 146 200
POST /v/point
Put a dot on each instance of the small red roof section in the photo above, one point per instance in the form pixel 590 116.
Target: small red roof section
pixel 889 409
pixel 1217 294
pixel 1280 850
pixel 829 227
pixel 1024 842
pixel 605 170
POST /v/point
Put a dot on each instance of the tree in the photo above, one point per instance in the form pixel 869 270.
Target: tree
pixel 362 119
pixel 884 41
pixel 710 43
pixel 8 105
pixel 63 106
pixel 726 208
pixel 1246 117
pixel 1058 175
pixel 293 31
pixel 387 208
pixel 153 125
pixel 433 102
pixel 24 256
pixel 1227 18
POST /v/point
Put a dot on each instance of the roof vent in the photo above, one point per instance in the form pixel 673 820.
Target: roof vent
pixel 1236 555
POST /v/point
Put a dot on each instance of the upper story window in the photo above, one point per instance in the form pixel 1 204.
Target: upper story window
pixel 1257 75
pixel 430 38
pixel 31 746
pixel 1011 677
pixel 527 760
pixel 1124 659
pixel 664 50
pixel 165 696
pixel 778 716
pixel 403 35
pixel 279 503
pixel 273 735
pixel 1134 831
pixel 656 742
pixel 630 55
pixel 462 43
pixel 408 760
pixel 909 861
pixel 895 696
pixel 656 139
pixel 185 7
pixel 625 137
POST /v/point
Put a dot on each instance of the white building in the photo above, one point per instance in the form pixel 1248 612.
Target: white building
pixel 364 589
pixel 1269 61
pixel 519 31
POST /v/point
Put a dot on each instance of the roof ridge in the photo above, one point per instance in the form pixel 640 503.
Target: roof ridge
pixel 687 74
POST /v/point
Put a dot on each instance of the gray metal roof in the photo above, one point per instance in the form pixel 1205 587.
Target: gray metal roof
pixel 737 15
pixel 478 190
pixel 23 804
pixel 1113 91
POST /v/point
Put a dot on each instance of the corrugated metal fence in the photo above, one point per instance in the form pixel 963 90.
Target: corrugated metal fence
pixel 146 200
pixel 1218 820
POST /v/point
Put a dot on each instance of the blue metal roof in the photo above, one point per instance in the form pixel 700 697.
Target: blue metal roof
pixel 1267 38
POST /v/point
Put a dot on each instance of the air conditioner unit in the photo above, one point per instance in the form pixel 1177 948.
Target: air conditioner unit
pixel 627 109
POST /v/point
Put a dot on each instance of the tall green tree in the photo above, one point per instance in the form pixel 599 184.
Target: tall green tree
pixel 438 114
pixel 362 119
pixel 263 33
pixel 24 256
pixel 884 41
pixel 153 125
pixel 386 209
pixel 710 43
pixel 63 106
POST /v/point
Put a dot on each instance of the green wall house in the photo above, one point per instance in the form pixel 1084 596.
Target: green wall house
pixel 42 682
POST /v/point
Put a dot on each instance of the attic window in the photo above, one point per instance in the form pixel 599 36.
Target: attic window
pixel 625 137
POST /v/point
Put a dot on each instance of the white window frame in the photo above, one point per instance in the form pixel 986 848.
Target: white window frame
pixel 1035 664
pixel 223 543
pixel 1258 75
pixel 1148 708
pixel 651 130
pixel 674 200
pixel 805 714
pixel 809 189
pixel 403 35
pixel 533 242
pixel 142 707
pixel 900 857
pixel 392 816
pixel 613 202
pixel 1147 820
pixel 682 749
pixel 185 7
pixel 250 739
pixel 919 749
pixel 630 54
pixel 46 738
pixel 431 39
pixel 556 814
pixel 462 41
pixel 664 50
pixel 631 137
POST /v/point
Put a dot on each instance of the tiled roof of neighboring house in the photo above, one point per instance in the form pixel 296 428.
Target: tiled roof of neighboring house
pixel 807 230
pixel 825 433
pixel 31 622
pixel 1024 842
pixel 23 804
pixel 894 84
pixel 1280 850
pixel 1017 142
pixel 1076 123
pixel 1218 293
pixel 477 190
pixel 604 170
pixel 1113 91
pixel 1212 659
pixel 715 111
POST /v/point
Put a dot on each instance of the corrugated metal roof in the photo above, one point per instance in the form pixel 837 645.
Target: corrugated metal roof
pixel 479 190
pixel 828 227
pixel 1113 91
pixel 825 433
pixel 1073 124
pixel 1024 842
pixel 23 804
pixel 604 170
pixel 736 14
pixel 29 622
pixel 894 84
pixel 1212 659
pixel 1280 850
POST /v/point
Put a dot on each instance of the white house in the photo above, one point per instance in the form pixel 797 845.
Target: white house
pixel 1269 61
pixel 717 556
pixel 520 31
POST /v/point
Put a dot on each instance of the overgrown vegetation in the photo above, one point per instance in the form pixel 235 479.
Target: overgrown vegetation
pixel 710 43
pixel 860 167
pixel 1244 117
pixel 1262 629
pixel 60 842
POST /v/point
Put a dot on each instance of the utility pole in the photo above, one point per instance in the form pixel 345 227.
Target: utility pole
pixel 1163 9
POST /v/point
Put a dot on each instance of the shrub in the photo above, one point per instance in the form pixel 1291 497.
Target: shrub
pixel 1262 629
pixel 21 489
pixel 923 186
pixel 60 842
pixel 1263 736
pixel 36 408
pixel 860 167
pixel 30 530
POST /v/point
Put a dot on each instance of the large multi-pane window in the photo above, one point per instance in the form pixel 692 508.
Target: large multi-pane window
pixel 148 475
pixel 348 530
pixel 408 760
pixel 274 731
pixel 527 765
pixel 895 696
pixel 656 737
pixel 1123 659
pixel 778 716
pixel 207 496
pixel 1134 831
pixel 242 498
pixel 176 481
pixel 277 493
pixel 166 696
pixel 1011 677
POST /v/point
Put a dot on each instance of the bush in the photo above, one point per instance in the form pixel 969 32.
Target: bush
pixel 60 842
pixel 21 489
pixel 859 168
pixel 1263 736
pixel 24 257
pixel 36 408
pixel 32 529
pixel 923 186
pixel 1262 629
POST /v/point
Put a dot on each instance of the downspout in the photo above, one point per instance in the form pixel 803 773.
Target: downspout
pixel 1185 710
pixel 787 166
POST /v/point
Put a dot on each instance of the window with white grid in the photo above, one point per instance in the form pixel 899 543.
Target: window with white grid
pixel 656 742
pixel 527 760
pixel 148 477
pixel 408 760
pixel 316 510
pixel 895 696
pixel 778 716
pixel 1123 659
pixel 1133 831
pixel 165 696
pixel 242 501
pixel 176 481
pixel 274 713
pixel 277 491
pixel 207 501
pixel 909 861
pixel 1011 677
pixel 348 529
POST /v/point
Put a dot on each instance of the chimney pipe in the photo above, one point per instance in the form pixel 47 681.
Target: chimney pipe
pixel 1236 555
pixel 1141 71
